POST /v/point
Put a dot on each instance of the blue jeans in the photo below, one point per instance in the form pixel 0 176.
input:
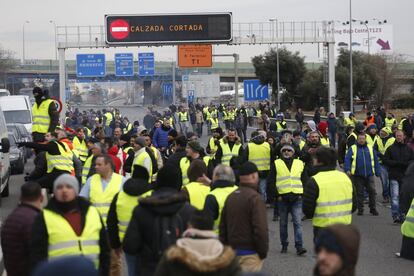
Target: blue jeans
pixel 395 199
pixel 332 139
pixel 295 208
pixel 385 182
pixel 262 188
pixel 132 262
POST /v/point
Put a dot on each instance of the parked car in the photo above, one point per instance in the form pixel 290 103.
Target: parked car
pixel 5 168
pixel 17 109
pixel 16 155
pixel 4 92
pixel 22 135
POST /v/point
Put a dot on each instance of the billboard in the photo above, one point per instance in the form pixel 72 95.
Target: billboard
pixel 168 28
pixel 201 86
pixel 370 38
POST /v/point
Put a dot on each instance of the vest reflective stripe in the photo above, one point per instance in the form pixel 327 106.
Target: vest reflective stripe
pixel 41 118
pixel 354 157
pixel 325 141
pixel 80 149
pixel 371 141
pixel 126 150
pixel 353 135
pixel 334 204
pixel 260 155
pixel 86 168
pixel 88 132
pixel 185 164
pixel 183 116
pixel 102 199
pixel 400 125
pixel 227 153
pixel 301 144
pixel 390 122
pixel 221 195
pixel 128 128
pixel 63 241
pixel 125 205
pixel 383 148
pixel 109 117
pixel 225 116
pixel 214 123
pixel 140 160
pixel 289 181
pixel 231 115
pixel 62 162
pixel 197 193
pixel 407 228
pixel 280 125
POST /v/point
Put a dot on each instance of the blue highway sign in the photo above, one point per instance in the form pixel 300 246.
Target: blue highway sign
pixel 90 65
pixel 255 91
pixel 167 89
pixel 146 64
pixel 124 65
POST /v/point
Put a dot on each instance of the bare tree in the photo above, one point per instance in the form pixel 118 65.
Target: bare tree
pixel 7 62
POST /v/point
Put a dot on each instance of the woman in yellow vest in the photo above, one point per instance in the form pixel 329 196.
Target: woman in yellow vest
pixel 57 232
pixel 197 191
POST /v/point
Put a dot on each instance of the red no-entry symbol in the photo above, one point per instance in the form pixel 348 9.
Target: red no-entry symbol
pixel 119 29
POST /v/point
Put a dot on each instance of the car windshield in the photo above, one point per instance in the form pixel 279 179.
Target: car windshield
pixel 17 116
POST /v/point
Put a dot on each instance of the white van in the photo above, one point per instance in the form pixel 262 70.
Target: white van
pixel 17 109
pixel 5 168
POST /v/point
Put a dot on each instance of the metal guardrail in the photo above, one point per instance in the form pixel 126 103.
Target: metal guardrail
pixel 291 123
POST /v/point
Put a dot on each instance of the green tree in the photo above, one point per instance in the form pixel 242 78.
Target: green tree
pixel 312 91
pixel 292 71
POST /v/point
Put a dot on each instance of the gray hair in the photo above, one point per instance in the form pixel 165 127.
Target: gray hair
pixel 224 172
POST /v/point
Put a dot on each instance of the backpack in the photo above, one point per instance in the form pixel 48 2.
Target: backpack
pixel 167 230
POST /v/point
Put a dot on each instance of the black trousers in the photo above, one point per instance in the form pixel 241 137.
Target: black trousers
pixel 361 183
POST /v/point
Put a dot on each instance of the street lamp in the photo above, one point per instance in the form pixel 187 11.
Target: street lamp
pixel 54 26
pixel 24 56
pixel 277 62
pixel 351 71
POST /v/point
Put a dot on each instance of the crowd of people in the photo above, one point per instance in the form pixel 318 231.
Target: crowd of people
pixel 151 194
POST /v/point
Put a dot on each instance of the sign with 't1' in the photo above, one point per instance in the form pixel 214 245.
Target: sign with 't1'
pixel 255 91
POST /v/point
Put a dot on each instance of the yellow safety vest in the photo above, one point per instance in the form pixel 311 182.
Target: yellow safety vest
pixel 102 199
pixel 86 168
pixel 325 141
pixel 289 181
pixel 280 125
pixel 41 118
pixel 62 162
pixel 88 132
pixel 80 149
pixel 258 113
pixel 260 155
pixel 126 150
pixel 64 242
pixel 212 145
pixel 139 160
pixel 400 125
pixel 301 144
pixel 183 116
pixel 197 192
pixel 208 114
pixel 128 128
pixel 349 122
pixel 407 228
pixel 221 195
pixel 353 135
pixel 231 115
pixel 371 141
pixel 214 123
pixel 354 157
pixel 383 148
pixel 109 117
pixel 334 204
pixel 185 164
pixel 225 116
pixel 390 122
pixel 227 153
pixel 125 205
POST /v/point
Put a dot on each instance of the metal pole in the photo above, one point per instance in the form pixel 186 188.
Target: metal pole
pixel 62 80
pixel 54 25
pixel 23 59
pixel 369 39
pixel 331 73
pixel 173 82
pixel 236 80
pixel 351 86
pixel 278 76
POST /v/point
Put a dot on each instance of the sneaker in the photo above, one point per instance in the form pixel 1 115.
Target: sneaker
pixel 374 212
pixel 396 221
pixel 304 218
pixel 300 251
pixel 284 250
pixel 397 254
pixel 360 212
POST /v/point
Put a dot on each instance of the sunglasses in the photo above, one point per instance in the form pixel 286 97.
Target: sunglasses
pixel 286 150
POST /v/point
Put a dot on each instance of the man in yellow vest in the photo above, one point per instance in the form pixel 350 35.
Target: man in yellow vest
pixel 288 175
pixel 361 164
pixel 350 121
pixel 214 141
pixel 329 197
pixel 141 156
pixel 214 122
pixel 258 152
pixel 230 146
pixel 96 149
pixel 183 120
pixel 121 209
pixel 80 148
pixel 390 121
pixel 199 187
pixel 372 135
pixel 45 114
pixel 193 152
pixel 407 208
pixel 70 226
pixel 298 139
pixel 223 184
pixel 108 117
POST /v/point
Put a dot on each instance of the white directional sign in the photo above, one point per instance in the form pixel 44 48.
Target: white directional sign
pixel 255 91
pixel 203 86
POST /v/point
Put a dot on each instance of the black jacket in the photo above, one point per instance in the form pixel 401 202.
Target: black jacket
pixel 397 158
pixel 39 243
pixel 40 168
pixel 311 194
pixel 131 187
pixel 139 239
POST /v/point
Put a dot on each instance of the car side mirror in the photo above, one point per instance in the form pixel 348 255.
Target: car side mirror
pixel 5 145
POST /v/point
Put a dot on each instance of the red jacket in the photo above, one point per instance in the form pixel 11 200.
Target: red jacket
pixel 113 152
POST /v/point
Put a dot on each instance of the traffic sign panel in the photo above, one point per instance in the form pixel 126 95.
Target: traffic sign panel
pixel 195 55
pixel 167 89
pixel 124 64
pixel 146 64
pixel 255 91
pixel 90 65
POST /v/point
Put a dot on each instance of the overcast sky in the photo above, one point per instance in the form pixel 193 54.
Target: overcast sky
pixel 40 33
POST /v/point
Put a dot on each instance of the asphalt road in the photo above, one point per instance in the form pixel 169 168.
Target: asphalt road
pixel 380 238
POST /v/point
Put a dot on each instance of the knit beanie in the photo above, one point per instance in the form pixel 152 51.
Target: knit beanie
pixel 68 180
pixel 195 146
pixel 168 176
pixel 248 168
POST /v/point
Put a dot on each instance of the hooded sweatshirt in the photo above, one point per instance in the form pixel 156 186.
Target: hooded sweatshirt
pixel 113 153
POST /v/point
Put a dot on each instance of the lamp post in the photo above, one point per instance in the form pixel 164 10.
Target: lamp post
pixel 351 86
pixel 24 55
pixel 277 63
pixel 54 26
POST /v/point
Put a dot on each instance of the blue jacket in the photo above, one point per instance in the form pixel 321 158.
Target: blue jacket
pixel 160 138
pixel 363 162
